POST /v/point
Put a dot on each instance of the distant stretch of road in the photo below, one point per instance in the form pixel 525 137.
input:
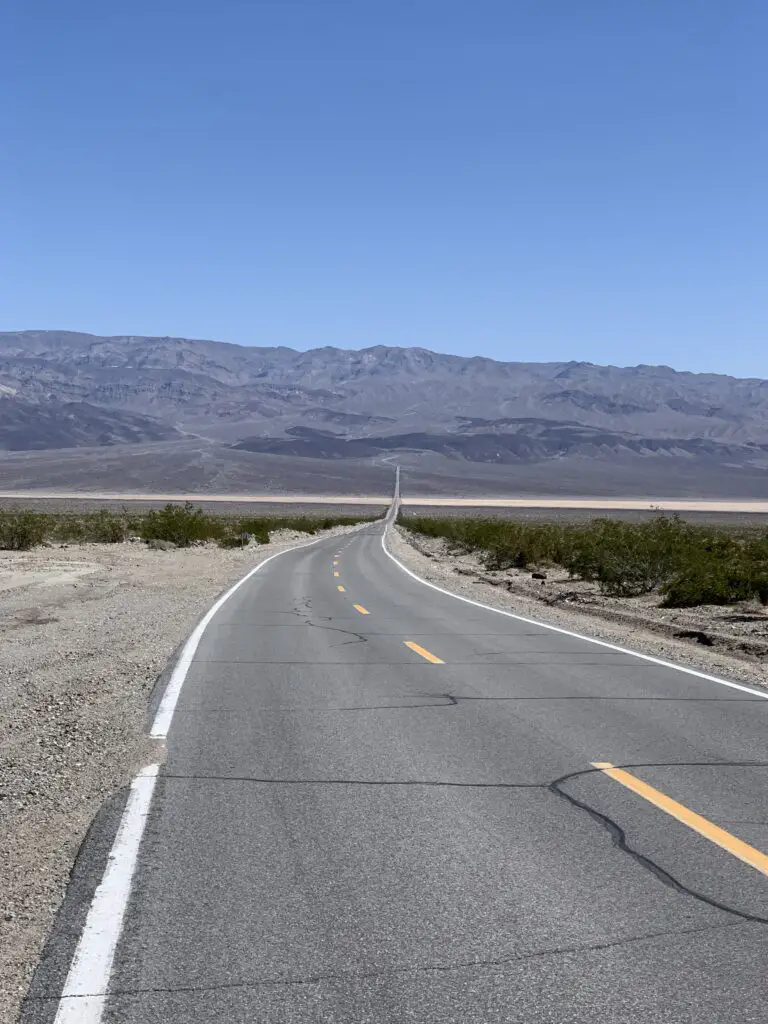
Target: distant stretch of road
pixel 383 804
pixel 601 504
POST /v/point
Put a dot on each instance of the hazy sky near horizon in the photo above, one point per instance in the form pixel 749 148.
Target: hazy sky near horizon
pixel 521 179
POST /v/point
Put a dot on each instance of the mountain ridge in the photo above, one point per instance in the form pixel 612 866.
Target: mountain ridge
pixel 72 389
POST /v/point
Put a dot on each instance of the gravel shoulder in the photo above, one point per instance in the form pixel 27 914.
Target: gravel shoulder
pixel 731 641
pixel 85 631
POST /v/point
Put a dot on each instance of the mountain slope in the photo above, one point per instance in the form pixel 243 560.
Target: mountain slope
pixel 203 382
pixel 30 426
pixel 64 389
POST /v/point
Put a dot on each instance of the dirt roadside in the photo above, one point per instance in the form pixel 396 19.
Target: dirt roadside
pixel 727 641
pixel 84 632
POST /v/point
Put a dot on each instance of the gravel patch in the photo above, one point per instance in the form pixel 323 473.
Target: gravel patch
pixel 84 633
pixel 731 641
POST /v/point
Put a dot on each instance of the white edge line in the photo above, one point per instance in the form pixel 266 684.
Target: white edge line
pixel 84 994
pixel 164 715
pixel 568 632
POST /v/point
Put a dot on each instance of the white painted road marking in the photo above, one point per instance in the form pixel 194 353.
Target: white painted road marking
pixel 85 990
pixel 162 722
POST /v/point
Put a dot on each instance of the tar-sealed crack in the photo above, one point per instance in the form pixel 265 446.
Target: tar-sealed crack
pixel 619 837
pixel 434 783
pixel 615 830
pixel 308 620
pixel 410 969
pixel 459 698
pixel 447 699
pixel 617 834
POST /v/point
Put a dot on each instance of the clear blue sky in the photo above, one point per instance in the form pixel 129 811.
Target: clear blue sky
pixel 543 180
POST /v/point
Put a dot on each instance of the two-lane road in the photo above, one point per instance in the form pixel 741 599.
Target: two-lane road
pixel 379 805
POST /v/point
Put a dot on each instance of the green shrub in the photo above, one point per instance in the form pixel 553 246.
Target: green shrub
pixel 235 540
pixel 21 529
pixel 181 525
pixel 65 528
pixel 707 584
pixel 502 545
pixel 626 559
pixel 687 564
pixel 104 527
pixel 760 588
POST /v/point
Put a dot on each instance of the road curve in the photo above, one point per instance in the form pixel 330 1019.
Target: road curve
pixel 380 804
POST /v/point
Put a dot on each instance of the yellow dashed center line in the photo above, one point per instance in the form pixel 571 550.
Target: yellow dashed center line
pixel 359 608
pixel 341 590
pixel 715 834
pixel 428 655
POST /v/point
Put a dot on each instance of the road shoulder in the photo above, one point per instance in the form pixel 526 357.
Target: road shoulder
pixel 463 575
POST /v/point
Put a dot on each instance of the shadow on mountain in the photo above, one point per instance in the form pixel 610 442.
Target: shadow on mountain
pixel 541 440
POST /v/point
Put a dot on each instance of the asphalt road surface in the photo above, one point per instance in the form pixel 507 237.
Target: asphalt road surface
pixel 379 805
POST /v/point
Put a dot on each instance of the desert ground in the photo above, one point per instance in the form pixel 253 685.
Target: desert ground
pixel 370 503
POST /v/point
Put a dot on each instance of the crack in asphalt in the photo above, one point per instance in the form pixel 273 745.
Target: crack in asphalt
pixel 682 700
pixel 434 783
pixel 619 837
pixel 617 833
pixel 307 620
pixel 447 700
pixel 454 699
pixel 346 976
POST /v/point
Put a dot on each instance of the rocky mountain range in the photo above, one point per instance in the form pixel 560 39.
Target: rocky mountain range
pixel 429 411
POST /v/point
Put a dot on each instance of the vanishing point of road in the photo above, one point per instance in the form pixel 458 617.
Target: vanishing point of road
pixel 382 804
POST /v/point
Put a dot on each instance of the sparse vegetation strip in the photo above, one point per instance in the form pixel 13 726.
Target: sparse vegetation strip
pixel 685 564
pixel 181 525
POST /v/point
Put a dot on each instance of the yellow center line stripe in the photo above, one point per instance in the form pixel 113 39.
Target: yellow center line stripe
pixel 359 608
pixel 423 652
pixel 715 834
pixel 341 590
